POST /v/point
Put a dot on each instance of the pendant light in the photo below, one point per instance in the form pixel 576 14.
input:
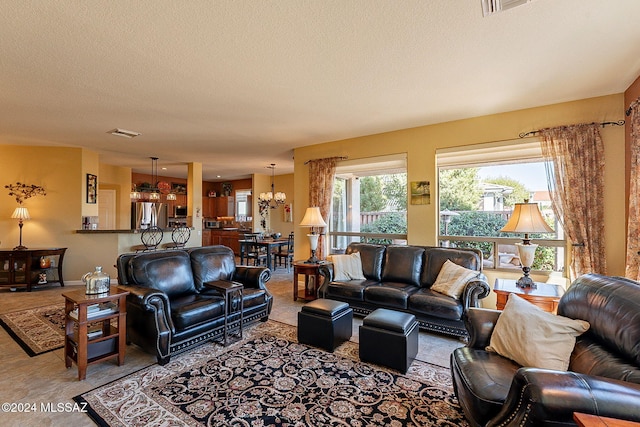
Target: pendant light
pixel 272 199
pixel 155 193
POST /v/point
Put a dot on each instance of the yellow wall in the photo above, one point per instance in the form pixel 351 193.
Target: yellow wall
pixel 262 184
pixel 56 216
pixel 421 144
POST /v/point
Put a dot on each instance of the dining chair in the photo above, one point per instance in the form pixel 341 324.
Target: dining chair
pixel 285 253
pixel 254 252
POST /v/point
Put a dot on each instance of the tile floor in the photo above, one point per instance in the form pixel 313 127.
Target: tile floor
pixel 36 382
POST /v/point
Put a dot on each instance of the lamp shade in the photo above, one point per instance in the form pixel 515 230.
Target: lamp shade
pixel 21 213
pixel 313 218
pixel 526 218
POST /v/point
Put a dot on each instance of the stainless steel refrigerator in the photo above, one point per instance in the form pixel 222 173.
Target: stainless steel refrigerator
pixel 148 214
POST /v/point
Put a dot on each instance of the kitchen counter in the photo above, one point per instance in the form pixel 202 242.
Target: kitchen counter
pixel 116 242
pixel 123 231
pixel 107 231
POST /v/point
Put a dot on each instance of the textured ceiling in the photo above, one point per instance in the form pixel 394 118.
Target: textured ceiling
pixel 237 85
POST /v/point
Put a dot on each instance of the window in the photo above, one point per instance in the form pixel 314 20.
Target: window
pixel 242 204
pixel 369 202
pixel 478 187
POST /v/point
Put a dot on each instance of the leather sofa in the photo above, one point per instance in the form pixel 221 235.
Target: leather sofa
pixel 604 369
pixel 171 308
pixel 399 278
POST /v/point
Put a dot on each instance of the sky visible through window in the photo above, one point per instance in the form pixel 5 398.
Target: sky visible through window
pixel 531 175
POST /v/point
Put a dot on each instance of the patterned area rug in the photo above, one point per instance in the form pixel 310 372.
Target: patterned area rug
pixel 268 379
pixel 37 330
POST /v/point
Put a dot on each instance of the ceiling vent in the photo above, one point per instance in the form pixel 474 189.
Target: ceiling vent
pixel 489 7
pixel 124 133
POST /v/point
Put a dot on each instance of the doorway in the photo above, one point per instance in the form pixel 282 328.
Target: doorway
pixel 107 209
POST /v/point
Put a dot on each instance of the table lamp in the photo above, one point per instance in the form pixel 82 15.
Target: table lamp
pixel 21 213
pixel 526 218
pixel 313 218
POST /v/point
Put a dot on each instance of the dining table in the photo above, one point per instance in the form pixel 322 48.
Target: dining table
pixel 269 244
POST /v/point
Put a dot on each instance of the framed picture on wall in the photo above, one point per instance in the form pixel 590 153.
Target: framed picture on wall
pixel 420 193
pixel 179 188
pixel 92 188
pixel 288 212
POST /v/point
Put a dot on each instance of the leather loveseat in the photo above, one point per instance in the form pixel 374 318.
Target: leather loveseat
pixel 170 308
pixel 603 376
pixel 399 278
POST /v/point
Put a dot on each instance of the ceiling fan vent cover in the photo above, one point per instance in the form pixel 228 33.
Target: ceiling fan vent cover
pixel 489 7
pixel 124 133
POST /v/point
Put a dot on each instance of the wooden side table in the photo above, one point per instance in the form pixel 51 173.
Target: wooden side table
pixel 586 420
pixel 545 295
pixel 311 272
pixel 86 346
pixel 229 291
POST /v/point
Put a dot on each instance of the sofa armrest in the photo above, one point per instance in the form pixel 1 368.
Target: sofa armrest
pixel 326 272
pixel 151 300
pixel 146 298
pixel 480 323
pixel 476 289
pixel 544 397
pixel 252 276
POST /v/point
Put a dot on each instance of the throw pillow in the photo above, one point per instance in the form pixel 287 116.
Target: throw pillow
pixel 452 278
pixel 347 267
pixel 532 337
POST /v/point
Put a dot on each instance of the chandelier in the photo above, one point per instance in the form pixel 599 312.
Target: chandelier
pixel 153 192
pixel 271 199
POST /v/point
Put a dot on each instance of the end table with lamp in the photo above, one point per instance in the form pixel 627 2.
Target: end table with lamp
pixel 312 278
pixel 526 218
pixel 313 219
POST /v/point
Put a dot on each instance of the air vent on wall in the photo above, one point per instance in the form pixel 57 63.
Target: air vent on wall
pixel 124 133
pixel 489 7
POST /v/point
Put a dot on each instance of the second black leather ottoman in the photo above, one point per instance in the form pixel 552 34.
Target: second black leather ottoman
pixel 389 338
pixel 325 323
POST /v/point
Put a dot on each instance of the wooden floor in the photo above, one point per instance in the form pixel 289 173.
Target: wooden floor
pixel 38 384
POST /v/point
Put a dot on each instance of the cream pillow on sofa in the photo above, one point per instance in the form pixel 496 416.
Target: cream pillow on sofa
pixel 532 337
pixel 452 279
pixel 347 267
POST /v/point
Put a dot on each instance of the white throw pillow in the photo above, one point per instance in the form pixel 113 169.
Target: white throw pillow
pixel 452 279
pixel 347 267
pixel 532 337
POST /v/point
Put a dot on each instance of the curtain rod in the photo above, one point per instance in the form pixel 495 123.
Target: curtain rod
pixel 603 124
pixel 633 104
pixel 337 157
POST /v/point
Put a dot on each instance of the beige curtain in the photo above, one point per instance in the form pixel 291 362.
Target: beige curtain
pixel 321 175
pixel 575 174
pixel 633 227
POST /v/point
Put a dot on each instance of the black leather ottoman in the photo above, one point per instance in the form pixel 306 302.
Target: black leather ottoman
pixel 325 323
pixel 389 338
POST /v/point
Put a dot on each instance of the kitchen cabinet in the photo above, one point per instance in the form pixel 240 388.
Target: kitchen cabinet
pixel 227 238
pixel 226 206
pixel 24 267
pixel 213 207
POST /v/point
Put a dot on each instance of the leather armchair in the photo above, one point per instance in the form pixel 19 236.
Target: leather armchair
pixel 604 371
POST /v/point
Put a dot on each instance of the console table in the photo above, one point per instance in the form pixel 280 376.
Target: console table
pixel 30 267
